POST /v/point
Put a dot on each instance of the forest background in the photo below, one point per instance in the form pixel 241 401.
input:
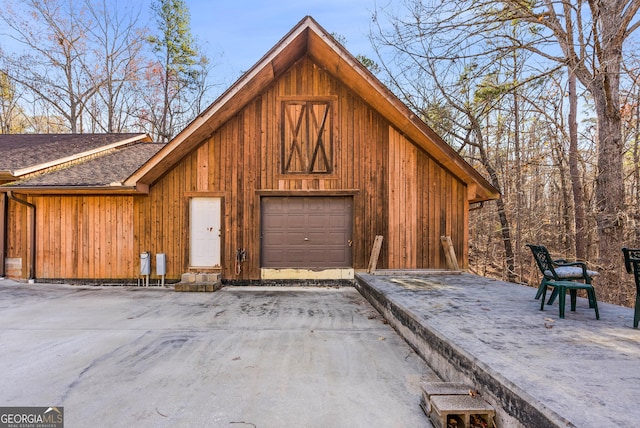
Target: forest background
pixel 541 97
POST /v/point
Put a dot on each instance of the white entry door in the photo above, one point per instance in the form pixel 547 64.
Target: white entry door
pixel 205 216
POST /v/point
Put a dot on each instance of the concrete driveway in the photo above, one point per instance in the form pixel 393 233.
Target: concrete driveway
pixel 240 357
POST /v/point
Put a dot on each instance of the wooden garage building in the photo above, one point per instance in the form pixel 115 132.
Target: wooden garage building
pixel 291 173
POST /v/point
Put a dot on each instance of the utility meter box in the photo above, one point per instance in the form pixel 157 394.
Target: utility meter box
pixel 161 264
pixel 145 264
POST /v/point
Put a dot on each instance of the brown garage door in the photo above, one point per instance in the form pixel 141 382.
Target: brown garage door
pixel 306 232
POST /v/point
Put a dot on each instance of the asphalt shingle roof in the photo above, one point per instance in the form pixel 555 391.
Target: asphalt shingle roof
pixel 115 166
pixel 18 151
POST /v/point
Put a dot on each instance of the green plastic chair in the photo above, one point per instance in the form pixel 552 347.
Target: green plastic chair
pixel 632 264
pixel 564 270
pixel 562 276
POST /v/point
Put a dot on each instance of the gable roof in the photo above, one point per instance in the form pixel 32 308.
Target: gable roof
pixel 24 154
pixel 309 38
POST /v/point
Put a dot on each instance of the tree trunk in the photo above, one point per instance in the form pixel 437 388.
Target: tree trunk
pixel 519 181
pixel 574 171
pixel 635 193
pixel 609 190
pixel 505 227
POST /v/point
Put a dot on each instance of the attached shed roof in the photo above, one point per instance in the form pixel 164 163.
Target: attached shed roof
pixel 68 163
pixel 308 38
pixel 24 154
pixel 107 170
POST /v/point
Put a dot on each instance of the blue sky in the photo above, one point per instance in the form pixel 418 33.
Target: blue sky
pixel 235 34
pixel 242 31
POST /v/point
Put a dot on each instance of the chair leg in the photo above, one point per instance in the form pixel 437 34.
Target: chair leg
pixel 636 315
pixel 544 297
pixel 562 293
pixel 573 293
pixel 553 296
pixel 541 288
pixel 592 298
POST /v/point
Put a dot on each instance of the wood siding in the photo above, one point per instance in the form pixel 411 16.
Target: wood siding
pixel 76 236
pixel 425 203
pixel 398 191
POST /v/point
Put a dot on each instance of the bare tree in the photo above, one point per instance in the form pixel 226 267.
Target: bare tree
pixel 11 116
pixel 631 118
pixel 586 37
pixel 580 235
pixel 116 40
pixel 55 65
pixel 590 36
pixel 427 61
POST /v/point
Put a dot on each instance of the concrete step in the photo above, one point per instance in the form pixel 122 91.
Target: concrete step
pixel 460 411
pixel 431 389
pixel 198 277
pixel 199 282
pixel 195 287
pixel 455 405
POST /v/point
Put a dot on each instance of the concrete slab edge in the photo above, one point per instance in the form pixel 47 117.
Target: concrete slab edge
pixel 514 406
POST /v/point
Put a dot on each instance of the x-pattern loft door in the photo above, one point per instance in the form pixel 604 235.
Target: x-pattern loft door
pixel 307 135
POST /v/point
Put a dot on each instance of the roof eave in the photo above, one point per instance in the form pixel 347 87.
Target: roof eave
pixel 7 175
pixel 362 81
pixel 113 189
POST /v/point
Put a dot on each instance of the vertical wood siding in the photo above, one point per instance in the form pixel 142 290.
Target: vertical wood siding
pixel 398 190
pixel 425 202
pixel 76 236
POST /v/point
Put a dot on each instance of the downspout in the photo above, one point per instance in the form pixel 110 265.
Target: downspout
pixel 32 265
pixel 477 206
pixel 4 214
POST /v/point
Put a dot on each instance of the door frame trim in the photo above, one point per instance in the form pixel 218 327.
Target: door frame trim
pixel 309 193
pixel 211 195
pixel 303 272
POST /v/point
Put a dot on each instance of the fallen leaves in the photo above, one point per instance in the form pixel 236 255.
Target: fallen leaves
pixel 550 321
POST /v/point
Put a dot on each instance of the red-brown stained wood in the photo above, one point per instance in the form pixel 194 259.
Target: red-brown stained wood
pixel 398 191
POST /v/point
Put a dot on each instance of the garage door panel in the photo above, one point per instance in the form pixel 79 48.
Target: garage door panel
pixel 336 221
pixel 306 232
pixel 317 239
pixel 338 236
pixel 295 255
pixel 317 257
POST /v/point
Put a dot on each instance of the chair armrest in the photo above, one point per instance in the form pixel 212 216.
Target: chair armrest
pixel 583 265
pixel 566 263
